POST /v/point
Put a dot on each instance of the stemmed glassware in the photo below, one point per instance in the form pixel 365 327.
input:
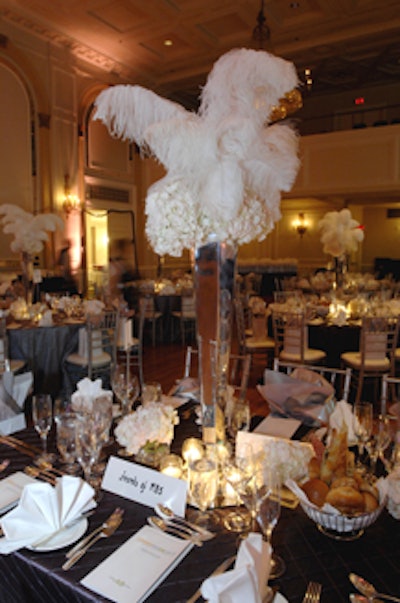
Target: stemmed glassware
pixel 379 441
pixel 42 418
pixel 268 505
pixel 363 419
pixel 203 484
pixel 126 387
pixel 66 441
pixel 89 441
pixel 238 479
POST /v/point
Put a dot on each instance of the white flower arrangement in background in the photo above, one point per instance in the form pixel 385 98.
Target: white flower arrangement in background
pixel 29 230
pixel 340 232
pixel 150 424
pixel 227 164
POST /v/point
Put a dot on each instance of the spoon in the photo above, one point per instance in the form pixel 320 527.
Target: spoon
pixel 157 522
pixel 369 590
pixel 169 516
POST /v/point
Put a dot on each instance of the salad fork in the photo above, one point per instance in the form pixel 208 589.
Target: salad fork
pixel 313 593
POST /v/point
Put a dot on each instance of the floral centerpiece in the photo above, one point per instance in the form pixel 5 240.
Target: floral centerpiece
pixel 340 236
pixel 227 164
pixel 30 234
pixel 148 429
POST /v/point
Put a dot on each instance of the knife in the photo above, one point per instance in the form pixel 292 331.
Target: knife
pixel 218 570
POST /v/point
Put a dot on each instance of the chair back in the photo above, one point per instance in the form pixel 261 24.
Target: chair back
pixel 378 339
pixel 102 335
pixel 188 306
pixel 290 333
pixel 4 360
pixel 238 370
pixel 340 379
pixel 389 382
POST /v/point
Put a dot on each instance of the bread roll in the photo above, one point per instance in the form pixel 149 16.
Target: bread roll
pixel 345 481
pixel 370 502
pixel 316 491
pixel 346 499
pixel 314 467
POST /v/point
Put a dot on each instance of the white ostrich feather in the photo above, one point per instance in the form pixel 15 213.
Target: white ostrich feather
pixel 29 230
pixel 340 232
pixel 225 169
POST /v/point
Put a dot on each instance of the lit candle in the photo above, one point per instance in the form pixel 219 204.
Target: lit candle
pixel 172 465
pixel 192 450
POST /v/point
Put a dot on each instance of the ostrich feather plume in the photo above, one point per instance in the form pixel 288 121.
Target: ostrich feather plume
pixel 340 232
pixel 226 166
pixel 29 230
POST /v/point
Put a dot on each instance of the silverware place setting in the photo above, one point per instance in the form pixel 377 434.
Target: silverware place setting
pixel 368 591
pixel 313 593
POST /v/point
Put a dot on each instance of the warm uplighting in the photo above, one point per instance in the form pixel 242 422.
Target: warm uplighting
pixel 70 202
pixel 301 224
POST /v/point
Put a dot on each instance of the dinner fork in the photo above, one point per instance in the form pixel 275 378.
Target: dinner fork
pixel 313 593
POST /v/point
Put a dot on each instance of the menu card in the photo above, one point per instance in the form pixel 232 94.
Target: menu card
pixel 155 555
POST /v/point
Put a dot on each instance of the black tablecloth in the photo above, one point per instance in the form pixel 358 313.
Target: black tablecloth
pixel 334 340
pixel 44 349
pixel 309 555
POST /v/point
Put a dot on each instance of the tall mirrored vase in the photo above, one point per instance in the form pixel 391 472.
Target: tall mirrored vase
pixel 215 268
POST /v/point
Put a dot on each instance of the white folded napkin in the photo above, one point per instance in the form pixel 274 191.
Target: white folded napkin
pixel 46 319
pixel 248 580
pixel 343 415
pixel 14 390
pixel 87 392
pixel 43 510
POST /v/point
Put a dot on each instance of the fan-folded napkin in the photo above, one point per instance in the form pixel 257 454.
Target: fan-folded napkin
pixel 44 510
pixel 342 415
pixel 248 580
pixel 13 392
pixel 87 392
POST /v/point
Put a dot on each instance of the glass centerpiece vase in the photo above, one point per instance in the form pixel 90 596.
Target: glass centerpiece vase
pixel 215 264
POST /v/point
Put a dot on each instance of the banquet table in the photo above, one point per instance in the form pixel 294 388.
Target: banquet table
pixel 34 577
pixel 44 349
pixel 334 340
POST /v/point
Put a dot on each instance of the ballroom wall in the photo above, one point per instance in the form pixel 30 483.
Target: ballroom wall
pixel 354 168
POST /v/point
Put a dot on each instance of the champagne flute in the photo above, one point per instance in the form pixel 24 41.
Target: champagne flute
pixel 363 417
pixel 89 440
pixel 42 418
pixel 378 442
pixel 125 387
pixel 268 497
pixel 237 480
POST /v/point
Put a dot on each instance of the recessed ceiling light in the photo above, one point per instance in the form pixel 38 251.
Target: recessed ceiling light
pixel 168 42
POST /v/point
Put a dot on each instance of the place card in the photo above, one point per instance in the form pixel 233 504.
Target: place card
pixel 155 555
pixel 278 427
pixel 144 485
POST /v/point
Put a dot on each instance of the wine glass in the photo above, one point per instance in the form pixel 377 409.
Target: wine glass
pixel 203 484
pixel 268 505
pixel 363 416
pixel 246 460
pixel 379 441
pixel 42 418
pixel 239 418
pixel 66 441
pixel 126 387
pixel 89 441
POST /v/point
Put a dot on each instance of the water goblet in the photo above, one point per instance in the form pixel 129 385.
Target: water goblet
pixel 237 481
pixel 203 484
pixel 42 418
pixel 363 417
pixel 379 441
pixel 268 504
pixel 126 388
pixel 66 441
pixel 89 441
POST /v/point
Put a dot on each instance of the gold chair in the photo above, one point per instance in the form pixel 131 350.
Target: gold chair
pixel 97 352
pixel 186 317
pixel 249 344
pixel 375 357
pixel 291 339
pixel 340 379
pixel 129 347
pixel 152 316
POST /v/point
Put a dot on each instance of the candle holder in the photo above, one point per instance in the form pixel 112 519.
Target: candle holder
pixel 172 465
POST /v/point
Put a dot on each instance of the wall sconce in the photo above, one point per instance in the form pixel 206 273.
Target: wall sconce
pixel 70 202
pixel 301 224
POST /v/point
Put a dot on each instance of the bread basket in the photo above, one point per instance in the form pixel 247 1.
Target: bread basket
pixel 338 526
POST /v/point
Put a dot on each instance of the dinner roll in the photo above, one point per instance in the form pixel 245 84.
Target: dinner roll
pixel 316 490
pixel 370 502
pixel 345 481
pixel 346 499
pixel 314 467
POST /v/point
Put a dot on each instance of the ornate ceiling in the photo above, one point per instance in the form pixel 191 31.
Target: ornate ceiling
pixel 347 44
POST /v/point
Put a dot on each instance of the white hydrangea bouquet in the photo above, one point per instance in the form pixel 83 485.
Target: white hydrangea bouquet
pixel 149 425
pixel 227 164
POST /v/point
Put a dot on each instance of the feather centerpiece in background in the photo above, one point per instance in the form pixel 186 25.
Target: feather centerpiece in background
pixel 227 164
pixel 340 232
pixel 29 230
